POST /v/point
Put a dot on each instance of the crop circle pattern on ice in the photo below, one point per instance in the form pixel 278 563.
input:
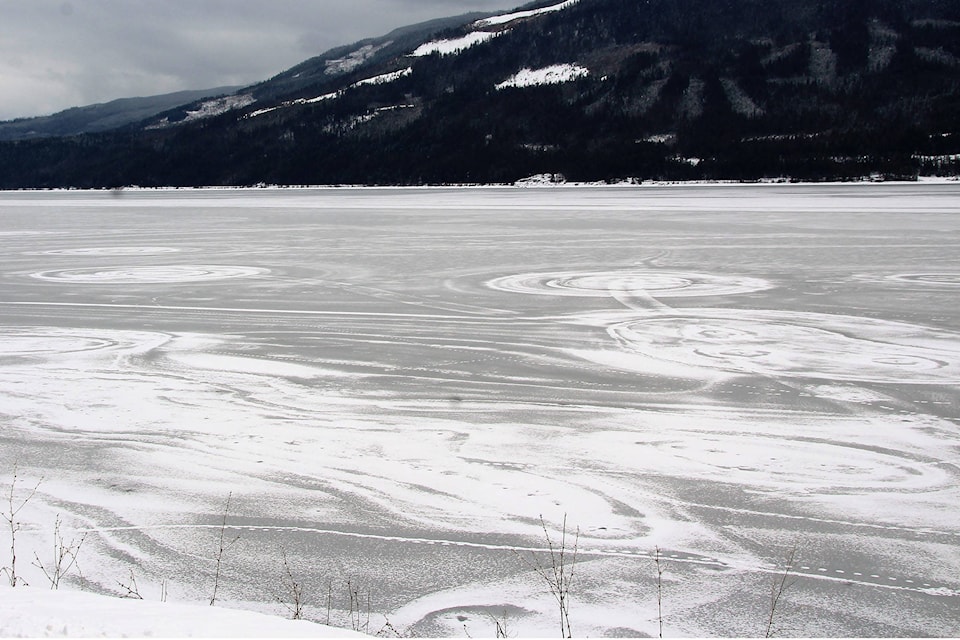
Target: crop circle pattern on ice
pixel 795 344
pixel 636 282
pixel 947 279
pixel 108 251
pixel 151 274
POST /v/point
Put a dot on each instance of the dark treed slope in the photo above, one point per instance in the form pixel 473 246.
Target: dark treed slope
pixel 664 89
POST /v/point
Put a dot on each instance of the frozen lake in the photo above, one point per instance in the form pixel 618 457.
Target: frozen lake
pixel 394 385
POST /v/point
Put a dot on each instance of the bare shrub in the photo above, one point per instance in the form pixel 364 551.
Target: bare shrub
pixel 656 560
pixel 14 507
pixel 130 588
pixel 388 630
pixel 224 545
pixel 558 575
pixel 359 606
pixel 778 587
pixel 64 556
pixel 292 598
pixel 500 625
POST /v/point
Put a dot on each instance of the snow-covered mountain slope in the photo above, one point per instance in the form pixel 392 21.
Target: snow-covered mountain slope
pixel 591 89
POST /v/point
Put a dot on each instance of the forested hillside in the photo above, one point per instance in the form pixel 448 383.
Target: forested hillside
pixel 590 89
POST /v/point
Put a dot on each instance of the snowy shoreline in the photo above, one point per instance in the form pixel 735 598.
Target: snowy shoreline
pixel 775 182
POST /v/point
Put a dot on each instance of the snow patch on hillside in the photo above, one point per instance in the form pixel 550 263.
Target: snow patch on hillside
pixel 554 74
pixel 691 102
pixel 32 613
pixel 823 62
pixel 384 78
pixel 208 109
pixel 380 79
pixel 781 53
pixel 517 15
pixel 356 121
pixel 290 103
pixel 938 56
pixel 352 60
pixel 739 101
pixel 455 45
pixel 217 106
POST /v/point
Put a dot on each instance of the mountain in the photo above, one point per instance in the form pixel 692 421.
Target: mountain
pixel 101 117
pixel 590 89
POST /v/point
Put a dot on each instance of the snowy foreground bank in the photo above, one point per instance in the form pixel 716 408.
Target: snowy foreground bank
pixel 32 612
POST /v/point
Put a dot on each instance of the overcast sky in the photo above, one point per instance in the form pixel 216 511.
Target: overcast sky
pixel 56 54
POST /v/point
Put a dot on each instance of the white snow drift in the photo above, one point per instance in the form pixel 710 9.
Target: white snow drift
pixel 27 612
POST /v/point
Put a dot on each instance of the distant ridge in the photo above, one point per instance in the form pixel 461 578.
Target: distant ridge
pixel 101 117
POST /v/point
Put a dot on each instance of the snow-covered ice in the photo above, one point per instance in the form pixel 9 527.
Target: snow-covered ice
pixel 394 385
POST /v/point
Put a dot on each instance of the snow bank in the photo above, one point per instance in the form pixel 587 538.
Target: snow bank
pixel 31 612
pixel 540 180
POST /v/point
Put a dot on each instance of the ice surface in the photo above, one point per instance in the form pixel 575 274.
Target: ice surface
pixel 394 385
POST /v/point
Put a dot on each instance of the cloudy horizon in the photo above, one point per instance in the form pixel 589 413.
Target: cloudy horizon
pixel 57 54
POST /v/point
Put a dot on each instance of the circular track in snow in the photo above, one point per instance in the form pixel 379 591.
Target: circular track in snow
pixel 631 282
pixel 151 274
pixel 795 344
